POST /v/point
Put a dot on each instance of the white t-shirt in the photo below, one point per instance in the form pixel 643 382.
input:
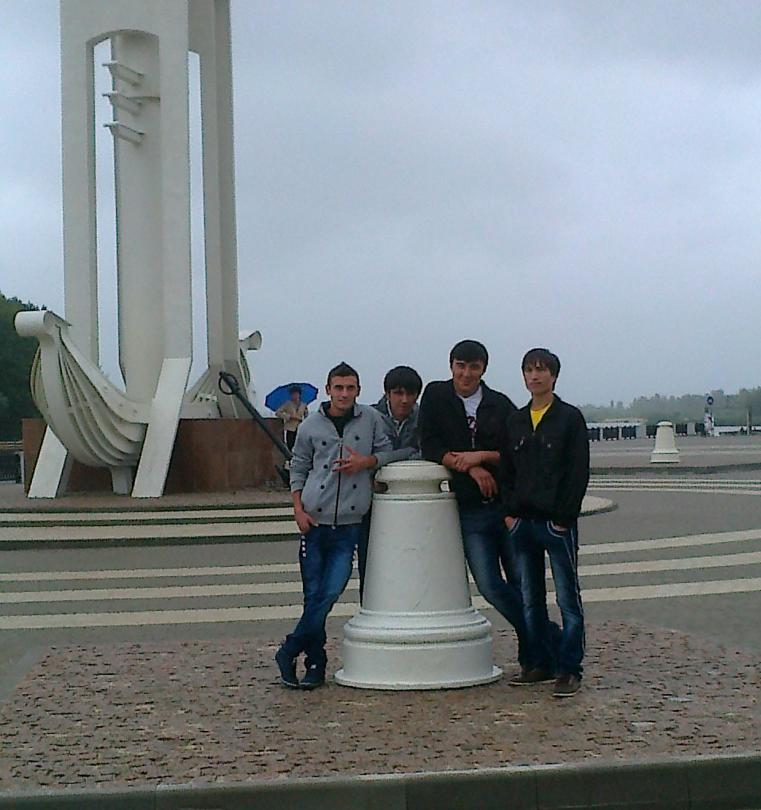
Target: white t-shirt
pixel 471 404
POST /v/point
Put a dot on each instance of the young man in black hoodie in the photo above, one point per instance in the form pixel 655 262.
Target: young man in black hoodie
pixel 461 423
pixel 544 472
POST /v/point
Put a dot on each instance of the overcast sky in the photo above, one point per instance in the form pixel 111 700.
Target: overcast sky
pixel 580 175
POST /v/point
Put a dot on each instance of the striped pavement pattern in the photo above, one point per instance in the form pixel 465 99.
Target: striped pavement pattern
pixel 673 483
pixel 279 586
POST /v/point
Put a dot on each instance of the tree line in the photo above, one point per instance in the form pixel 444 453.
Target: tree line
pixel 16 355
pixel 728 409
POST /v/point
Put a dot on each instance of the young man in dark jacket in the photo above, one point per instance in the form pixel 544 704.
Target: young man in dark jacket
pixel 544 472
pixel 461 424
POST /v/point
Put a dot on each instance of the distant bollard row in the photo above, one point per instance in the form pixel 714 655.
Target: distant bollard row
pixel 611 433
pixel 597 432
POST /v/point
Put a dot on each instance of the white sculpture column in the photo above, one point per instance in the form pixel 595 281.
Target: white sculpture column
pixel 417 628
pixel 89 419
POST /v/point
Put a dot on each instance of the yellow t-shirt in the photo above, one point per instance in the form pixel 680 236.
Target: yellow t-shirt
pixel 536 416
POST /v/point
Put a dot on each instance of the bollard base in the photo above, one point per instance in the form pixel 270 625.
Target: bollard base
pixel 343 680
pixel 398 651
pixel 664 458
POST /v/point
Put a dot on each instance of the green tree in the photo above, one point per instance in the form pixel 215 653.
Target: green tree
pixel 16 355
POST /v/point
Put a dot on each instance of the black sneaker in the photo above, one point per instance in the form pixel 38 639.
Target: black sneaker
pixel 566 686
pixel 315 677
pixel 287 667
pixel 528 677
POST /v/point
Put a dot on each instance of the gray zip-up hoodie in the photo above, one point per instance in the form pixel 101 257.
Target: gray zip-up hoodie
pixel 333 498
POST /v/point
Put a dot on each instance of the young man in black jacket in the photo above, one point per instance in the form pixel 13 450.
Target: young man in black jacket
pixel 544 472
pixel 461 423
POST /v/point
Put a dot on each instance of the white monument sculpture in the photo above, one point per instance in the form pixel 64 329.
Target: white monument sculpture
pixel 89 418
pixel 417 628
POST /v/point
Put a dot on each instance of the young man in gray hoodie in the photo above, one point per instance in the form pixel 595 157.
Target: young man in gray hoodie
pixel 398 406
pixel 336 451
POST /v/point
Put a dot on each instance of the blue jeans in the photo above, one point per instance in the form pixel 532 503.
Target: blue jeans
pixel 362 550
pixel 326 554
pixel 531 539
pixel 485 550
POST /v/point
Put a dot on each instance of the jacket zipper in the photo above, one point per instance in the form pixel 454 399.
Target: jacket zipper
pixel 338 488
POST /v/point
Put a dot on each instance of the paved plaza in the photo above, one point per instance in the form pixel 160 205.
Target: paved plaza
pixel 148 661
pixel 209 710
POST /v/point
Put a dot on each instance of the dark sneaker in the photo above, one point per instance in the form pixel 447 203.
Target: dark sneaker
pixel 287 667
pixel 315 677
pixel 566 686
pixel 528 677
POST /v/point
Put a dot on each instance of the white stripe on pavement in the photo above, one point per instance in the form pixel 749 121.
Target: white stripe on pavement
pixel 634 593
pixel 671 542
pixel 674 564
pixel 676 479
pixel 198 531
pixel 202 515
pixel 151 573
pixel 252 614
pixel 690 491
pixel 250 589
pixel 174 592
pixel 716 450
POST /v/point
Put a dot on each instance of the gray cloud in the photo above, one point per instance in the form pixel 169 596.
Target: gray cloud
pixel 579 175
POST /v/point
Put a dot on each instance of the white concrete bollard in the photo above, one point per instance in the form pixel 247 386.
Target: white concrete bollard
pixel 665 450
pixel 417 628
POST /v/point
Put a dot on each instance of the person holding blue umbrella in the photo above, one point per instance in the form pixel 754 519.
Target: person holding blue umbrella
pixel 290 404
pixel 293 412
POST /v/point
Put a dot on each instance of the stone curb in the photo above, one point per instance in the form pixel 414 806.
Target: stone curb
pixel 727 782
pixel 594 505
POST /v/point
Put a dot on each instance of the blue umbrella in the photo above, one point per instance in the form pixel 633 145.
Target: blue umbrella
pixel 282 394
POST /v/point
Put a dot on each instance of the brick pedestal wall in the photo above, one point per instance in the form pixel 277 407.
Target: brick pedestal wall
pixel 210 455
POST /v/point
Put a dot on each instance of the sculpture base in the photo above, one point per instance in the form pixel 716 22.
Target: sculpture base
pixel 210 455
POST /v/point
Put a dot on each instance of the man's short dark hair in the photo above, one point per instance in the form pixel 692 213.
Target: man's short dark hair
pixel 403 377
pixel 343 369
pixel 543 358
pixel 469 351
pixel 294 389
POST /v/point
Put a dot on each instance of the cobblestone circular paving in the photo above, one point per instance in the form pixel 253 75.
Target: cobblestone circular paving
pixel 213 711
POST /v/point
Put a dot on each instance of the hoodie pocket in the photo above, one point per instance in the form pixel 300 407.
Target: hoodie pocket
pixel 561 534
